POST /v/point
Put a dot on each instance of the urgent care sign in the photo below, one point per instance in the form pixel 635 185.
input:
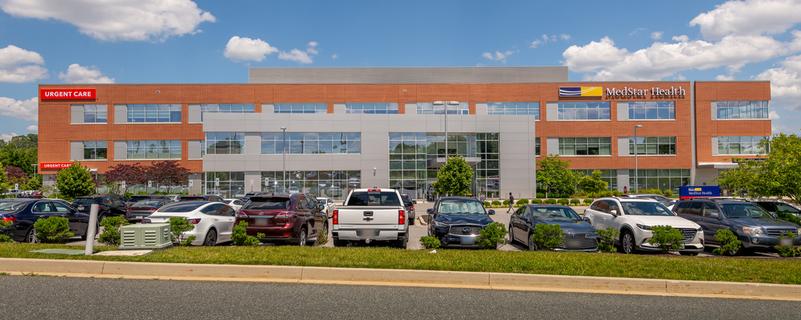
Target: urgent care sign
pixel 67 94
pixel 49 166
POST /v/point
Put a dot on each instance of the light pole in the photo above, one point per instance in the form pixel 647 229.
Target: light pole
pixel 445 105
pixel 283 164
pixel 636 161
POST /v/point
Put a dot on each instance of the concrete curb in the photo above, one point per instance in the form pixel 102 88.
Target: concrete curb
pixel 391 277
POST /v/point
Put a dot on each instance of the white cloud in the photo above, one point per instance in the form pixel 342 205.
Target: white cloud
pixel 296 55
pixel 680 38
pixel 20 109
pixel 77 73
pixel 311 47
pixel 497 55
pixel 247 49
pixel 773 115
pixel 334 56
pixel 19 65
pixel 7 136
pixel 32 128
pixel 785 82
pixel 548 38
pixel 656 35
pixel 126 20
pixel 749 17
pixel 661 60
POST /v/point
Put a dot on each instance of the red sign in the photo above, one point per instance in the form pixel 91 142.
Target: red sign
pixel 71 94
pixel 54 165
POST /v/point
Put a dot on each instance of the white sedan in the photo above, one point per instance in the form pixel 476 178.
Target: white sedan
pixel 234 203
pixel 213 221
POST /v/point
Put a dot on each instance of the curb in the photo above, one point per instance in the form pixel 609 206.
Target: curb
pixel 393 277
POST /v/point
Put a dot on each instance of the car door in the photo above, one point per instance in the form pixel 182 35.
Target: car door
pixel 517 222
pixel 211 214
pixel 78 220
pixel 690 210
pixel 225 224
pixel 303 214
pixel 600 215
pixel 713 221
pixel 611 219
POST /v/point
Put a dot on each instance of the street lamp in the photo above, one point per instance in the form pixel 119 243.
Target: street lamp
pixel 636 161
pixel 283 152
pixel 445 105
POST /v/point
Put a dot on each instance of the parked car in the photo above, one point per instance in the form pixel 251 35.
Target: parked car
pixel 328 205
pixel 206 197
pixel 368 215
pixel 579 235
pixel 23 213
pixel 295 218
pixel 667 202
pixel 213 221
pixel 408 203
pixel 777 206
pixel 144 208
pixel 755 227
pixel 136 198
pixel 110 205
pixel 635 218
pixel 234 203
pixel 457 221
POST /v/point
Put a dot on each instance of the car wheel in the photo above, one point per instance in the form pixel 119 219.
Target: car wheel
pixel 401 243
pixel 411 221
pixel 30 237
pixel 211 238
pixel 340 243
pixel 688 253
pixel 627 242
pixel 302 236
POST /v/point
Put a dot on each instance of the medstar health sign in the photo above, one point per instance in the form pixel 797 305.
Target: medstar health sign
pixel 622 93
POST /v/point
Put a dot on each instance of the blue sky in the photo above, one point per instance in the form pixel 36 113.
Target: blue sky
pixel 185 41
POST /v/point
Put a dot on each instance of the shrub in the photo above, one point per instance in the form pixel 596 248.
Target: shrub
pixel 607 238
pixel 430 242
pixel 575 202
pixel 178 226
pixel 668 193
pixel 53 229
pixel 536 201
pixel 588 201
pixel 550 201
pixel 788 251
pixel 505 203
pixel 496 203
pixel 522 202
pixel 492 235
pixel 650 191
pixel 667 238
pixel 563 202
pixel 547 236
pixel 487 204
pixel 111 230
pixel 729 244
pixel 3 236
pixel 240 235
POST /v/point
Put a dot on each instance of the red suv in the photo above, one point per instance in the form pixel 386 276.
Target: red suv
pixel 295 218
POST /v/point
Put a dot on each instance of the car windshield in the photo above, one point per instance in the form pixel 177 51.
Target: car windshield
pixel 150 203
pixel 182 207
pixel 461 207
pixel 642 208
pixel 12 206
pixel 555 213
pixel 364 198
pixel 191 198
pixel 267 203
pixel 743 210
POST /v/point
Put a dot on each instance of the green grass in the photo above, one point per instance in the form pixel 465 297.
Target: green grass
pixel 784 271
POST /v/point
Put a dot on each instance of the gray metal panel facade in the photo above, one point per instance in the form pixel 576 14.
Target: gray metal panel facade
pixel 195 112
pixel 623 146
pixel 622 111
pixel 76 114
pixel 120 113
pixel 553 146
pixel 76 150
pixel 408 75
pixel 552 111
pixel 194 149
pixel 120 150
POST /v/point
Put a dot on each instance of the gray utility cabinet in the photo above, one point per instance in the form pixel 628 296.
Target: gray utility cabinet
pixel 145 236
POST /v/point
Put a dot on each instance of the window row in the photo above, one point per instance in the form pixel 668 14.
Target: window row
pixel 585 146
pixel 153 113
pixel 372 108
pixel 652 110
pixel 311 142
pixel 652 146
pixel 300 108
pixel 741 110
pixel 153 149
pixel 583 111
pixel 746 145
pixel 514 108
pixel 440 108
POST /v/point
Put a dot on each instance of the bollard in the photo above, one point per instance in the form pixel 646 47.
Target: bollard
pixel 91 230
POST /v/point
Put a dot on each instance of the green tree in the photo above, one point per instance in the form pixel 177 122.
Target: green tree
pixel 3 180
pixel 779 174
pixel 455 178
pixel 20 152
pixel 75 181
pixel 554 177
pixel 33 183
pixel 592 183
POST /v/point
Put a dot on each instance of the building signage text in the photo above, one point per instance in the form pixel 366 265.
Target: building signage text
pixel 54 165
pixel 652 93
pixel 70 94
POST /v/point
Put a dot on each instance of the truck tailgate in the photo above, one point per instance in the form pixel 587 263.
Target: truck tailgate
pixel 370 215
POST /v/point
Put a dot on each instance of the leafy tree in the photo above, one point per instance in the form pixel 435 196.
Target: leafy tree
pixel 454 178
pixel 20 152
pixel 130 173
pixel 75 181
pixel 779 174
pixel 33 183
pixel 3 180
pixel 15 175
pixel 555 178
pixel 168 173
pixel 592 183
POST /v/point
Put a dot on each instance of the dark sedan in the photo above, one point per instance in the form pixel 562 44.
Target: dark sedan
pixel 23 213
pixel 457 221
pixel 579 235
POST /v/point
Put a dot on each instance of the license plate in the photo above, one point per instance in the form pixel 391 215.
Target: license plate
pixel 80 208
pixel 260 222
pixel 786 242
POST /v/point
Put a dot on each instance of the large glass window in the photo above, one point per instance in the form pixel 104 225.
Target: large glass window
pixel 652 110
pixel 226 184
pixel 311 142
pixel 225 142
pixel 154 113
pixel 95 150
pixel 608 175
pixel 583 110
pixel 94 113
pixel 414 159
pixel 537 147
pixel 741 109
pixel 300 108
pixel 585 146
pixel 653 146
pixel 332 183
pixel 662 179
pixel 226 108
pixel 372 108
pixel 514 108
pixel 439 108
pixel 741 145
pixel 154 149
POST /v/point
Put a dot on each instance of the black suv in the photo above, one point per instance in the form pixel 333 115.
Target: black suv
pixel 110 204
pixel 756 228
pixel 776 206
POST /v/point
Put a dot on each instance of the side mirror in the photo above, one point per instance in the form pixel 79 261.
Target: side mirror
pixel 613 212
pixel 585 219
pixel 491 212
pixel 430 210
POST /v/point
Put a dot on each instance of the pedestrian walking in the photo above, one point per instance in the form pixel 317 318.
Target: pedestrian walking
pixel 511 202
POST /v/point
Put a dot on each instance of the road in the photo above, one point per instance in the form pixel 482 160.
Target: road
pixel 37 297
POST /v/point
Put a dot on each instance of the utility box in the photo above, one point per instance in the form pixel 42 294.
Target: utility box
pixel 145 236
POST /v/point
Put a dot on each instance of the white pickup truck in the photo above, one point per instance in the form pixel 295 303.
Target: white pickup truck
pixel 371 215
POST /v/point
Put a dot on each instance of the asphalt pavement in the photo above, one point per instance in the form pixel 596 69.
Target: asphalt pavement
pixel 39 297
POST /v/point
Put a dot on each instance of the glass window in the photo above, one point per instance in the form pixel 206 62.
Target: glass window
pixel 537 146
pixel 662 179
pixel 154 113
pixel 226 184
pixel 332 184
pixel 645 209
pixel 727 110
pixel 585 146
pixel 747 145
pixel 583 110
pixel 372 108
pixel 439 108
pixel 154 149
pixel 652 110
pixel 652 146
pixel 311 142
pixel 95 150
pixel 514 108
pixel 226 108
pixel 225 142
pixel 300 108
pixel 94 113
